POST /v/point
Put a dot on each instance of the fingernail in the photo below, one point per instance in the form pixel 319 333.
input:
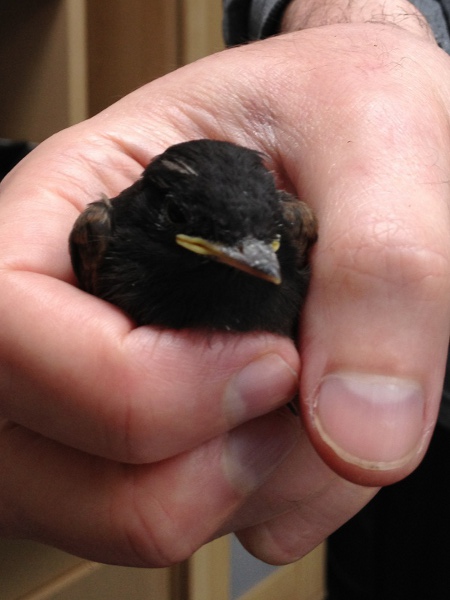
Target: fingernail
pixel 263 385
pixel 254 450
pixel 373 421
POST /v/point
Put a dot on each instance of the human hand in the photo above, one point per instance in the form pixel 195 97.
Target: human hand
pixel 123 437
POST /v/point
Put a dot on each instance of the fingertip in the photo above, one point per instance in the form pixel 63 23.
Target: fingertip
pixel 266 381
pixel 188 386
pixel 254 450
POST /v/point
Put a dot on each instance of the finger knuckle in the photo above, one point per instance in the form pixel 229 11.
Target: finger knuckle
pixel 156 541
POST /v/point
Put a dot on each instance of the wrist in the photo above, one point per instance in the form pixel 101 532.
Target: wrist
pixel 305 14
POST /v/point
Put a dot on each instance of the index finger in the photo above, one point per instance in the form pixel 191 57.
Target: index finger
pixel 74 369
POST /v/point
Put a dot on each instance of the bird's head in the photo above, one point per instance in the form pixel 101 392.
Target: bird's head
pixel 219 202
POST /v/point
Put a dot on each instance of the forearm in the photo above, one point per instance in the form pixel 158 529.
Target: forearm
pixel 247 20
pixel 304 14
pixel 423 17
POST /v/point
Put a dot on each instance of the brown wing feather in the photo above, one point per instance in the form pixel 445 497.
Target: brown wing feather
pixel 88 242
pixel 302 225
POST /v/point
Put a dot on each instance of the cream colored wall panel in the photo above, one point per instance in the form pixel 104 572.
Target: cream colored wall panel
pixel 303 580
pixel 209 571
pixel 116 583
pixel 201 28
pixel 41 67
pixel 25 566
pixel 130 42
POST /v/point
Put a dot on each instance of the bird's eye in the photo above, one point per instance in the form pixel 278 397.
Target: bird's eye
pixel 175 213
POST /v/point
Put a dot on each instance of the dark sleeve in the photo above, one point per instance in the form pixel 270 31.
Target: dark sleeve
pixel 436 12
pixel 248 20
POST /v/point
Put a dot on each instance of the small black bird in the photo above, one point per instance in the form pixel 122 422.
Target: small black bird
pixel 202 240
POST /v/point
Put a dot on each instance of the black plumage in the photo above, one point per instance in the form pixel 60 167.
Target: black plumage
pixel 203 239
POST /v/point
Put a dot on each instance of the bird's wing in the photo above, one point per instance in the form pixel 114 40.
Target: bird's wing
pixel 88 242
pixel 301 225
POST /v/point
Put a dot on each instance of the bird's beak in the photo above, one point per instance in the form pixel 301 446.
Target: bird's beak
pixel 252 256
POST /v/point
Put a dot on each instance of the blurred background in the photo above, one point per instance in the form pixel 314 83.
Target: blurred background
pixel 65 60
